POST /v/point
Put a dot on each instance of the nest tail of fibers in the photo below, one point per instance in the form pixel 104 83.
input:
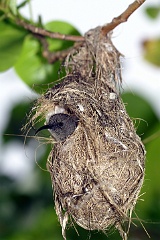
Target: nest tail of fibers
pixel 97 161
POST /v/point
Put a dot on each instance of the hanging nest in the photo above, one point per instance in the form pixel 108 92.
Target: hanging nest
pixel 97 161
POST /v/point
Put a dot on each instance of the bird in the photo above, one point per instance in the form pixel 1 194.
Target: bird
pixel 60 126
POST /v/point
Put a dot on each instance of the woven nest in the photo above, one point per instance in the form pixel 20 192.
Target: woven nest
pixel 97 166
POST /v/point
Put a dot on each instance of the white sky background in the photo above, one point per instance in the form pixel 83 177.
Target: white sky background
pixel 138 76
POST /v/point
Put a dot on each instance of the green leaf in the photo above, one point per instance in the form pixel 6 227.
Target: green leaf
pixel 63 28
pixel 152 51
pixel 32 67
pixel 11 40
pixel 141 113
pixel 13 6
pixel 150 208
pixel 16 121
pixel 153 12
pixel 22 4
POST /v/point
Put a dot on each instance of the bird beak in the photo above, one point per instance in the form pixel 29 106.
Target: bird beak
pixel 42 128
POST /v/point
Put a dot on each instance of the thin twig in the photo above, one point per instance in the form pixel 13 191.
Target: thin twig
pixel 60 55
pixel 152 137
pixel 54 56
pixel 123 17
pixel 44 32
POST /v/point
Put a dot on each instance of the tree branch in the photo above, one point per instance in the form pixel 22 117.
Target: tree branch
pixel 105 29
pixel 45 33
pixel 41 33
pixel 54 56
pixel 60 55
pixel 123 17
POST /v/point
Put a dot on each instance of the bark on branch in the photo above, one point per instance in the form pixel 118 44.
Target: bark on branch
pixel 122 17
pixel 46 33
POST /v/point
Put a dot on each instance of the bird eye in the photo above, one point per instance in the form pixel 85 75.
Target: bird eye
pixel 60 124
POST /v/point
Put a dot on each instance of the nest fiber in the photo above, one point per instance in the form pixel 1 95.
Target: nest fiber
pixel 97 168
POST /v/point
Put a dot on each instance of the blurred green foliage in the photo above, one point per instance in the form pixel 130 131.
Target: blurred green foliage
pixel 152 46
pixel 11 40
pixel 152 51
pixel 39 71
pixel 23 51
pixel 153 11
pixel 27 213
